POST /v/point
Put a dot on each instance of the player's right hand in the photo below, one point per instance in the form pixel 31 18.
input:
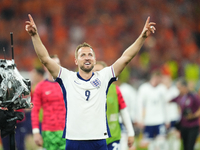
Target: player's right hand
pixel 30 26
pixel 38 139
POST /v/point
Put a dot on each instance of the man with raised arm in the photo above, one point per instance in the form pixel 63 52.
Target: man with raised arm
pixel 84 92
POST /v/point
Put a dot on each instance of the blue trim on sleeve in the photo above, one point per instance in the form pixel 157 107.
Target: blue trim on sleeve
pixel 60 72
pixel 59 80
pixel 112 69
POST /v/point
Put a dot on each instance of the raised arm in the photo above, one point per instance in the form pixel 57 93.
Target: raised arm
pixel 132 50
pixel 40 49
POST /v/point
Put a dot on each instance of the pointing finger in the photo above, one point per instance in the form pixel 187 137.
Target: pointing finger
pixel 31 19
pixel 147 22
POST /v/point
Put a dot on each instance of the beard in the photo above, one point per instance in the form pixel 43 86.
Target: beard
pixel 87 70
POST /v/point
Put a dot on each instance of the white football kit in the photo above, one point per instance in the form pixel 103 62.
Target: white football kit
pixel 129 95
pixel 153 100
pixel 85 102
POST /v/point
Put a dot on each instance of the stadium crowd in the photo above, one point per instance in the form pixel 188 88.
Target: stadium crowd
pixel 109 26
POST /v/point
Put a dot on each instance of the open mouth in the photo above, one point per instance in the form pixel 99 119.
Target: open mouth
pixel 87 63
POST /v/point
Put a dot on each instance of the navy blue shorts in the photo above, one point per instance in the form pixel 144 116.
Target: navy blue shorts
pixel 114 145
pixel 153 131
pixel 86 145
pixel 172 124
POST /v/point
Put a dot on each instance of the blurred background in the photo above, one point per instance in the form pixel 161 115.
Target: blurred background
pixel 109 27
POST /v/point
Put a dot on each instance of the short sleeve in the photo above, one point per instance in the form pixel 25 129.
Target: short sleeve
pixel 108 72
pixel 63 73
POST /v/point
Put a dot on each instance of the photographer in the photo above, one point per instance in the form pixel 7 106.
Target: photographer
pixel 189 104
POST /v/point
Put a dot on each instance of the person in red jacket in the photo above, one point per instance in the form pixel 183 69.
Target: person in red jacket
pixel 49 97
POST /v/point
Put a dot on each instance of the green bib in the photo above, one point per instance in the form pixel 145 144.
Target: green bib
pixel 113 115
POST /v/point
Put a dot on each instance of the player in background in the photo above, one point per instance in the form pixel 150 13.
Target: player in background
pixel 152 112
pixel 49 97
pixel 36 76
pixel 85 91
pixel 129 94
pixel 173 135
pixel 116 106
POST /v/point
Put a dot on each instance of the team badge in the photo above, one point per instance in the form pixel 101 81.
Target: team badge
pixel 187 102
pixel 96 83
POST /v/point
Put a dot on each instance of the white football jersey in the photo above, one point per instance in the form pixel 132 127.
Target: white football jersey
pixel 152 105
pixel 129 95
pixel 85 102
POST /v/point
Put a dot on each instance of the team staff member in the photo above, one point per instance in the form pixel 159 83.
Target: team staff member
pixel 189 104
pixel 116 105
pixel 84 92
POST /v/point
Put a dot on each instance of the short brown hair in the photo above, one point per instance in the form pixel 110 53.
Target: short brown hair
pixel 101 63
pixel 156 73
pixel 182 81
pixel 82 45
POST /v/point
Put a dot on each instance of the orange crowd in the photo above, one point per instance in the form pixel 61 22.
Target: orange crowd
pixel 109 26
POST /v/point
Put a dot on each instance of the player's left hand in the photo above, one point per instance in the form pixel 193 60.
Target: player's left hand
pixel 148 28
pixel 130 141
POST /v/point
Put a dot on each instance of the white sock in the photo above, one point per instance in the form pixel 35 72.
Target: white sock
pixel 151 145
pixel 174 142
pixel 161 143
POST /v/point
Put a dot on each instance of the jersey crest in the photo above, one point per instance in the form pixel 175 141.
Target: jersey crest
pixel 96 83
